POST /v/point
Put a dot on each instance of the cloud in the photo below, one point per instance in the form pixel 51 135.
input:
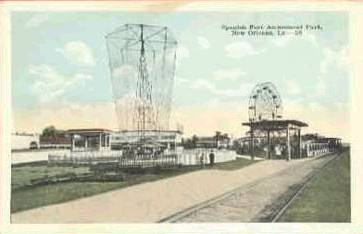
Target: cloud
pixel 50 85
pixel 328 121
pixel 228 74
pixel 203 84
pixel 292 87
pixel 310 38
pixel 37 20
pixel 182 52
pixel 333 58
pixel 321 86
pixel 240 49
pixel 78 53
pixel 66 116
pixel 181 80
pixel 124 71
pixel 283 41
pixel 205 120
pixel 203 42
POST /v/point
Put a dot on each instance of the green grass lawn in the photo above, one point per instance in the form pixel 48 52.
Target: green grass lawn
pixel 57 193
pixel 24 199
pixel 21 176
pixel 326 198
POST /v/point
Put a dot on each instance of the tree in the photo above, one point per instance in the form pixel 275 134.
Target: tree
pixel 190 143
pixel 217 136
pixel 51 131
pixel 194 141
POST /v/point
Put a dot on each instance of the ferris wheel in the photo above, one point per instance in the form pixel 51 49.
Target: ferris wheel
pixel 264 103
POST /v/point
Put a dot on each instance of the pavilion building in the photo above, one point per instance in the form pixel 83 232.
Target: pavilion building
pixel 90 139
pixel 268 127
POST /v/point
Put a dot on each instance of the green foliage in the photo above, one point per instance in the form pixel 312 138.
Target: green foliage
pixel 21 176
pixel 326 198
pixel 24 199
pixel 51 131
pixel 190 143
pixel 57 193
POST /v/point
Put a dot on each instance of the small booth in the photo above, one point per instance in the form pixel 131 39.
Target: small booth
pixel 92 139
pixel 268 127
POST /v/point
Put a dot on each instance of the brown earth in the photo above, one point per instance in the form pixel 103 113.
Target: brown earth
pixel 153 201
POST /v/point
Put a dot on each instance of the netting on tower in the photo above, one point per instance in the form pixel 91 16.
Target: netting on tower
pixel 142 61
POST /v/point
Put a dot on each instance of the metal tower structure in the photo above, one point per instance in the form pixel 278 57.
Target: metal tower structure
pixel 144 109
pixel 142 61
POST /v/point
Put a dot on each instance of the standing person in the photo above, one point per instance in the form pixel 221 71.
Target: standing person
pixel 211 158
pixel 201 160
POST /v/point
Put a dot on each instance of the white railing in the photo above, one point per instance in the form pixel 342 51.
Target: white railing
pixel 79 157
pixel 197 156
pixel 317 149
pixel 186 157
pixel 96 153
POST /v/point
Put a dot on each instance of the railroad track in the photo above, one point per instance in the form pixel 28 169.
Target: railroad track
pixel 300 189
pixel 229 207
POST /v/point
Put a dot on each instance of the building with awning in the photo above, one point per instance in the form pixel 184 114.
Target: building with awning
pixel 90 139
pixel 268 127
pixel 167 139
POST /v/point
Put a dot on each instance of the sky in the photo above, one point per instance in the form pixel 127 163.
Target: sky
pixel 61 77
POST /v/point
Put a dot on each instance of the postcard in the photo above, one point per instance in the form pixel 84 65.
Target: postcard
pixel 181 117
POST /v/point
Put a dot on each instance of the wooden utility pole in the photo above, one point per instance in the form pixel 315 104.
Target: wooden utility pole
pixel 299 135
pixel 268 145
pixel 288 146
pixel 252 145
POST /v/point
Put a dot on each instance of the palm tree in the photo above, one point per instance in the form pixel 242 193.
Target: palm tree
pixel 194 141
pixel 217 136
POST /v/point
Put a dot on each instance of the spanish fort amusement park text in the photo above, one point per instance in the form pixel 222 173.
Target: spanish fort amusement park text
pixel 269 30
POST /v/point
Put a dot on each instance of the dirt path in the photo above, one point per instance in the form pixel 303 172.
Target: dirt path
pixel 151 202
pixel 259 201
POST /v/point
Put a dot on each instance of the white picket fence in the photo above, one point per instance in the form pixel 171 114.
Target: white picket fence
pixel 96 153
pixel 186 157
pixel 35 155
pixel 317 149
pixel 318 152
pixel 193 157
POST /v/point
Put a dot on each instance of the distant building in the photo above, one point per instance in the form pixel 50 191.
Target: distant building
pixel 170 139
pixel 89 139
pixel 242 145
pixel 222 142
pixel 315 144
pixel 22 141
pixel 59 141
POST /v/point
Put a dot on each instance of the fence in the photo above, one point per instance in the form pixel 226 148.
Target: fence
pixel 85 157
pixel 187 158
pixel 147 161
pixel 317 149
pixel 198 156
pixel 31 156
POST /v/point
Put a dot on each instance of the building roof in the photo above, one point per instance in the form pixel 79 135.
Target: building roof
pixel 203 140
pixel 274 124
pixel 62 139
pixel 332 138
pixel 88 130
pixel 162 131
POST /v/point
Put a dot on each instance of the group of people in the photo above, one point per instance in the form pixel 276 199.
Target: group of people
pixel 211 159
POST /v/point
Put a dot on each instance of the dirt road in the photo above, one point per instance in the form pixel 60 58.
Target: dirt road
pixel 151 202
pixel 259 201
